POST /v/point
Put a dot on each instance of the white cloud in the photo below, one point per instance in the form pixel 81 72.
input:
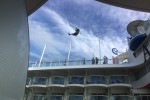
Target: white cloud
pixel 121 15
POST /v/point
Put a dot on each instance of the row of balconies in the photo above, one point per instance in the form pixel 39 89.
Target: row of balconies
pixel 81 80
pixel 82 97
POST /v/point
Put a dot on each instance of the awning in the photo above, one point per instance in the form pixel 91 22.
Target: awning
pixel 33 5
pixel 140 5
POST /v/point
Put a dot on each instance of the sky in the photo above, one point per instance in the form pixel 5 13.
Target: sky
pixel 102 27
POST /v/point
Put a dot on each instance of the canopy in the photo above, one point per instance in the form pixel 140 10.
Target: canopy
pixel 33 5
pixel 140 5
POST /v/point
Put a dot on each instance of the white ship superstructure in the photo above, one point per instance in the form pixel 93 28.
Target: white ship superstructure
pixel 125 79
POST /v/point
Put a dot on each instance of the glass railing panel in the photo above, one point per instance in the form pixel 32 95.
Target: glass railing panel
pixel 96 79
pixel 98 97
pixel 28 81
pixel 75 62
pixel 25 97
pixel 121 98
pixel 88 62
pixel 39 97
pixel 145 97
pixel 75 97
pixel 76 80
pixel 62 63
pixel 71 63
pixel 31 64
pixel 39 81
pixel 137 98
pixel 118 79
pixel 55 97
pixel 58 80
pixel 47 64
pixel 142 97
pixel 79 62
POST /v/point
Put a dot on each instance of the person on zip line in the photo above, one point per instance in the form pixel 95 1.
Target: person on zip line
pixel 77 31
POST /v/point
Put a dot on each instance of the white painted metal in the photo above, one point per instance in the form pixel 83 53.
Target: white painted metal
pixel 69 53
pixel 42 55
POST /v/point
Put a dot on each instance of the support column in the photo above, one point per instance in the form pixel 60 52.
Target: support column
pixel 14 49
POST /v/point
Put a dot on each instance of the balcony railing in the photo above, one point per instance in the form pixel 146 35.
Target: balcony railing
pixel 96 79
pixel 142 97
pixel 75 97
pixel 122 79
pixel 55 97
pixel 75 80
pixel 92 79
pixel 121 97
pixel 39 81
pixel 97 97
pixel 58 80
pixel 28 81
pixel 39 97
pixel 69 63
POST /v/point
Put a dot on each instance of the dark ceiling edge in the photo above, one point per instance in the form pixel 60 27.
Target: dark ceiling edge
pixel 36 7
pixel 124 6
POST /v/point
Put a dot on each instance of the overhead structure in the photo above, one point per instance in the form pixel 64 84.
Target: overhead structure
pixel 139 5
pixel 33 5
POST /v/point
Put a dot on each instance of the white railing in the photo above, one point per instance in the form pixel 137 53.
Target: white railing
pixel 70 63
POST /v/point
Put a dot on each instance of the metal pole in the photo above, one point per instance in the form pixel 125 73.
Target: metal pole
pixel 42 55
pixel 100 49
pixel 69 53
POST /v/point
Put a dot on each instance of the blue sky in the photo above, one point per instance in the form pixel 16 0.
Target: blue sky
pixel 52 22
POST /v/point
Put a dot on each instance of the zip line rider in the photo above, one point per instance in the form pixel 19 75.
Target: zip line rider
pixel 77 31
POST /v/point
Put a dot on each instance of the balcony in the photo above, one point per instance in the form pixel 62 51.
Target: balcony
pixel 57 81
pixel 142 97
pixel 39 82
pixel 39 97
pixel 76 81
pixel 121 97
pixel 96 80
pixel 55 97
pixel 119 80
pixel 98 97
pixel 76 97
pixel 28 81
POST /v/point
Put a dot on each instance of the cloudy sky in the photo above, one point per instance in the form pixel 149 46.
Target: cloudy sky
pixel 52 22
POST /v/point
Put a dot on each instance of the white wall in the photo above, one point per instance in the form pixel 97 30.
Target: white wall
pixel 136 60
pixel 145 80
pixel 14 48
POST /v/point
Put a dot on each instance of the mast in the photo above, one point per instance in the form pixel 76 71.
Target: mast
pixel 68 54
pixel 42 55
pixel 100 50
